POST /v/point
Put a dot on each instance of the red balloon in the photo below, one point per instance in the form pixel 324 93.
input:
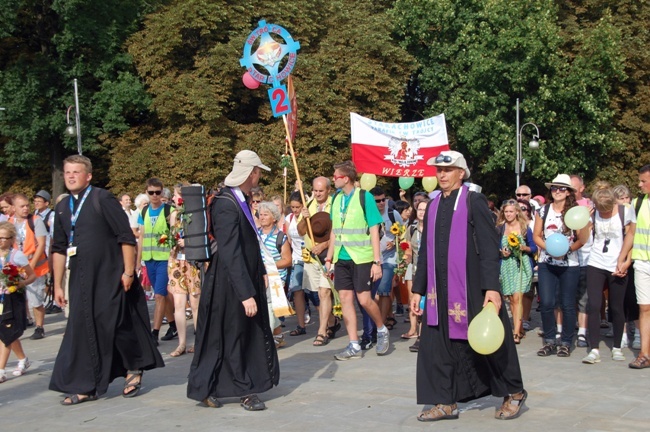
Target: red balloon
pixel 249 81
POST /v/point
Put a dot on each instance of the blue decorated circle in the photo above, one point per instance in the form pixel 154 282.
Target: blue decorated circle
pixel 268 52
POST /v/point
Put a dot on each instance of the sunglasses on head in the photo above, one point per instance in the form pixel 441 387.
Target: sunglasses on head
pixel 558 188
pixel 154 192
pixel 443 159
pixel 380 200
pixel 508 202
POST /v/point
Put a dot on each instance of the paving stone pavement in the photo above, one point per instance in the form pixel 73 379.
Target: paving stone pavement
pixel 317 393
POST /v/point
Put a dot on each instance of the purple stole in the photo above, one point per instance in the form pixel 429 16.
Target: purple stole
pixel 456 269
pixel 244 208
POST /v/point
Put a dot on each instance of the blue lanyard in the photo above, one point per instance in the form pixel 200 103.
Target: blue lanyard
pixel 75 215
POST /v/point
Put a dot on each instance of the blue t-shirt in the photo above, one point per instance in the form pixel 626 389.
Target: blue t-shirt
pixel 373 217
pixel 153 215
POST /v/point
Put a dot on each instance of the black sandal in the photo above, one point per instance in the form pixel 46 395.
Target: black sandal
pixel 331 331
pixel 298 331
pixel 128 382
pixel 75 399
pixel 321 340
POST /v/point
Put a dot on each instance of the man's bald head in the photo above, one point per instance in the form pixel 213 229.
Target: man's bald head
pixel 321 187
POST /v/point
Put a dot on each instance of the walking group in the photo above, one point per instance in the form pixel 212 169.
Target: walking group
pixel 444 256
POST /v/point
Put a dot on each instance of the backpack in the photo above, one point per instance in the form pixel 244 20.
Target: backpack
pixel 545 208
pixel 621 215
pixel 46 219
pixel 639 202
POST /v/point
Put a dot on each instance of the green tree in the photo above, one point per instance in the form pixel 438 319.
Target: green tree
pixel 44 45
pixel 188 55
pixel 477 57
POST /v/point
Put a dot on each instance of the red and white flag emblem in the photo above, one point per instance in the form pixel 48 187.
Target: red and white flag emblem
pixel 397 149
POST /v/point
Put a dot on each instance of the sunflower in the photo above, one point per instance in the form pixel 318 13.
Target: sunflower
pixel 396 229
pixel 513 240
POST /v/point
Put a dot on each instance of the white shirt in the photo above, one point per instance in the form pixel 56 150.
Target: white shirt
pixel 552 225
pixel 608 231
pixel 296 239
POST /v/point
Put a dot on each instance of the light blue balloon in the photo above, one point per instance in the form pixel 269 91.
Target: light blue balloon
pixel 422 302
pixel 557 245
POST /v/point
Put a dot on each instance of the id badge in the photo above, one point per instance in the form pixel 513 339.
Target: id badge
pixel 2 308
pixel 72 251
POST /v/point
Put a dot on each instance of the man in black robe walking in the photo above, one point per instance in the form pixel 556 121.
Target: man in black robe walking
pixel 108 333
pixel 235 354
pixel 459 258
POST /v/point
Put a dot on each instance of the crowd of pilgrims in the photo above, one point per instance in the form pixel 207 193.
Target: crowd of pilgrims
pixel 559 286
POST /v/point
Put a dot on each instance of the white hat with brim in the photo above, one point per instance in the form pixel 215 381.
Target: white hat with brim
pixel 562 180
pixel 242 167
pixel 450 158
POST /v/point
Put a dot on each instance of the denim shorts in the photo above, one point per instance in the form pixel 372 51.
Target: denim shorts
pixel 385 284
pixel 295 283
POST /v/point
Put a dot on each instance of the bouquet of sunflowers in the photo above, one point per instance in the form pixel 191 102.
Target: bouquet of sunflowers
pixel 514 244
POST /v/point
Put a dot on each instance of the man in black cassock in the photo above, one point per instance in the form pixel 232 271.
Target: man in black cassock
pixel 108 334
pixel 235 354
pixel 458 275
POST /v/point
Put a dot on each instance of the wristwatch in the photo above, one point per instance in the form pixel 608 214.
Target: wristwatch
pixel 377 262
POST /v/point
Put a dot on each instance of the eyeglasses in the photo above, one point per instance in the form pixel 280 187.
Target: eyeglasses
pixel 338 177
pixel 6 238
pixel 443 159
pixel 154 192
pixel 558 188
pixel 256 201
pixel 522 194
pixel 380 200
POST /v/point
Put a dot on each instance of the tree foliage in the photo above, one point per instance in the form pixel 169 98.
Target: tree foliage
pixel 477 57
pixel 44 45
pixel 188 55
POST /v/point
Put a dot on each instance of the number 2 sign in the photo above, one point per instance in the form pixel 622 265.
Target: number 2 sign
pixel 279 99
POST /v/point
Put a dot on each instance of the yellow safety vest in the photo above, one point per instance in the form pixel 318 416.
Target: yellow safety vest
pixel 641 248
pixel 353 233
pixel 151 250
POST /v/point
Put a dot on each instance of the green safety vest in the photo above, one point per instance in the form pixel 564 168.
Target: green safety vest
pixel 641 248
pixel 353 234
pixel 151 250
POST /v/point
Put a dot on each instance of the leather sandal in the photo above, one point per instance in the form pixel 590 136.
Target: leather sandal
pixel 321 340
pixel 641 362
pixel 439 412
pixel 511 407
pixel 517 338
pixel 129 382
pixel 178 351
pixel 298 331
pixel 331 331
pixel 74 399
pixel 212 402
pixel 252 403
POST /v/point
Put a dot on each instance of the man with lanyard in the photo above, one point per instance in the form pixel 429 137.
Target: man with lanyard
pixel 354 250
pixel 314 279
pixel 107 334
pixel 641 258
pixel 153 223
pixel 459 274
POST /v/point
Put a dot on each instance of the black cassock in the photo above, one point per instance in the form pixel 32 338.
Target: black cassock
pixel 449 371
pixel 108 330
pixel 234 355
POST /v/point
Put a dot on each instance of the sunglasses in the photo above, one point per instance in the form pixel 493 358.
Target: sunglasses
pixel 508 203
pixel 380 200
pixel 338 177
pixel 558 188
pixel 443 159
pixel 256 201
pixel 522 194
pixel 156 192
pixel 524 209
pixel 605 246
pixel 6 238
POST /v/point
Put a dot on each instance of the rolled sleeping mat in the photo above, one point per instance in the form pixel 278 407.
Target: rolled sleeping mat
pixel 195 226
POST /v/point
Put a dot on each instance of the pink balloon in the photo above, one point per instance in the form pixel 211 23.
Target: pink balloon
pixel 249 81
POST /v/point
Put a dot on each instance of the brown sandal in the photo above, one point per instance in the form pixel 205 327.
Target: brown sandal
pixel 439 412
pixel 321 340
pixel 511 407
pixel 517 338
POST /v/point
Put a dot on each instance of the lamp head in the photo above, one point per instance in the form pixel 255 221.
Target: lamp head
pixel 534 143
pixel 70 130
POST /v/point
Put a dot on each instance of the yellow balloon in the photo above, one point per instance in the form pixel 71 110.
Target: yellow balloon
pixel 486 333
pixel 429 183
pixel 368 181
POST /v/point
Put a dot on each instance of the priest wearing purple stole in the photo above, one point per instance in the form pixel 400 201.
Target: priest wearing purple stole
pixel 460 253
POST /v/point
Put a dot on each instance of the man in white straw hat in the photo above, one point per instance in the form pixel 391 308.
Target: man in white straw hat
pixel 459 253
pixel 235 354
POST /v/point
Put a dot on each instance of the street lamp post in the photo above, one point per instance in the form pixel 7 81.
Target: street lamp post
pixel 520 163
pixel 70 130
